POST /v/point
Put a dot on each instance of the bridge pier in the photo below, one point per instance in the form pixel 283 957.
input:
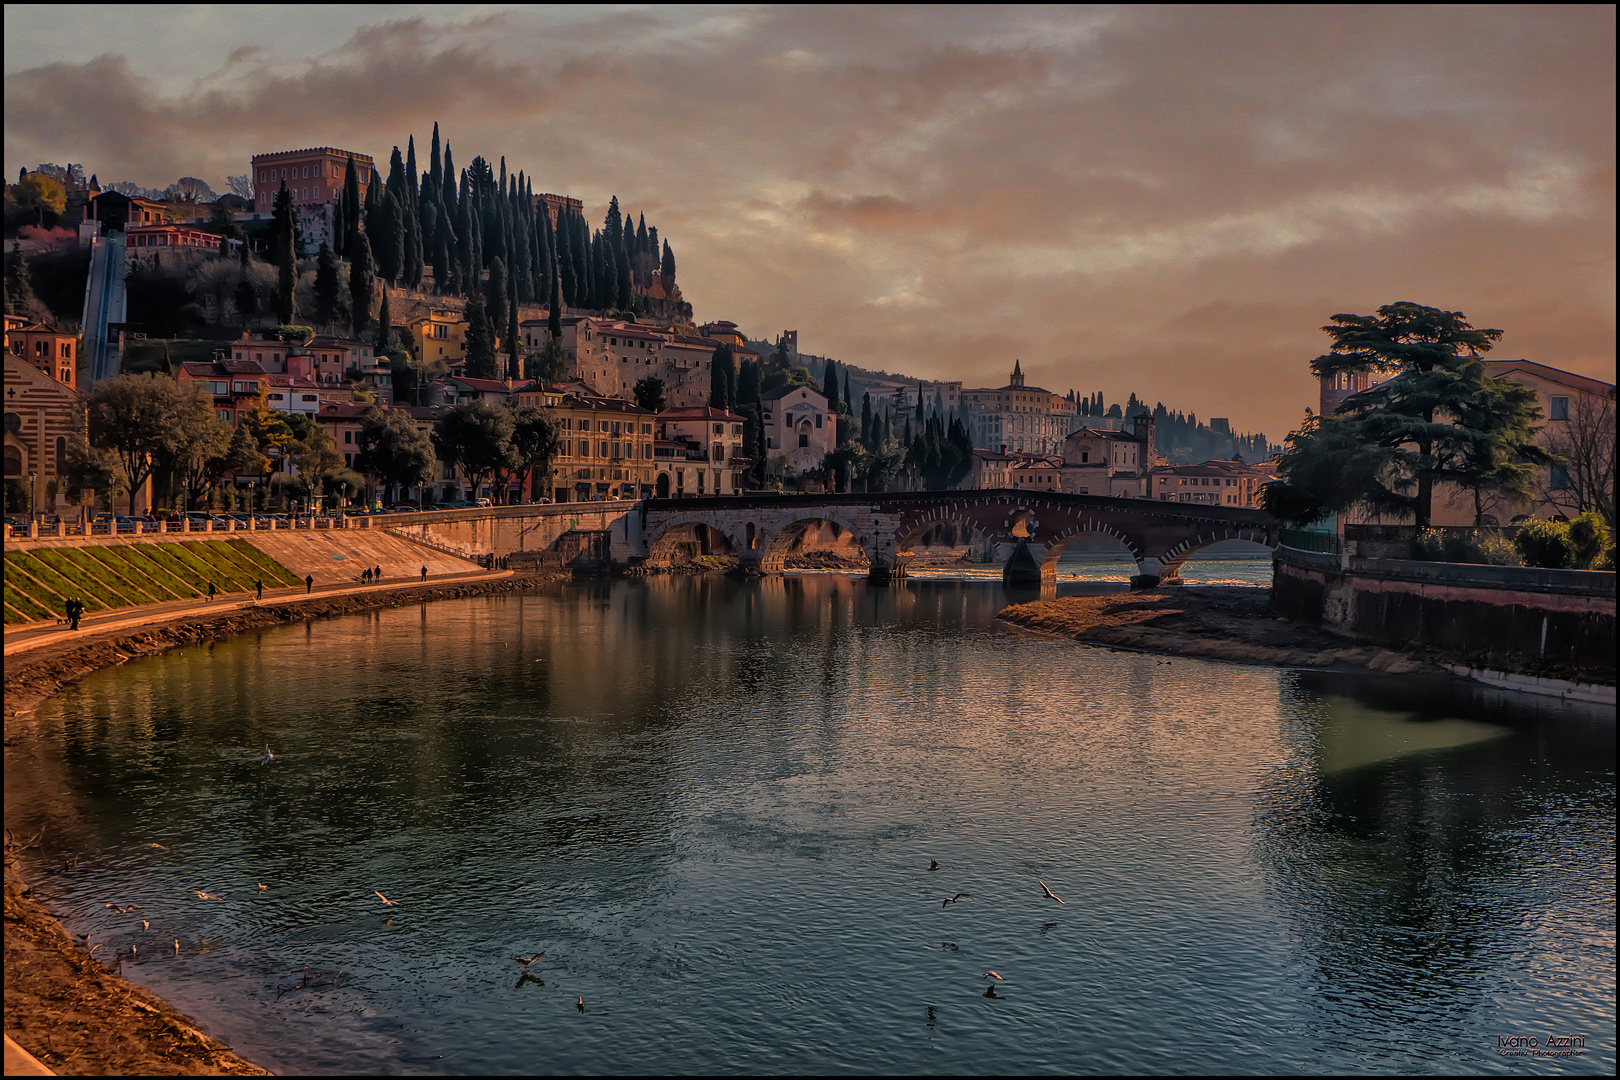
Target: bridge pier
pixel 1025 566
pixel 1152 573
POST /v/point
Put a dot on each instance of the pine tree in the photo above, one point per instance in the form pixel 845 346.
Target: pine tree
pixel 362 284
pixel 328 288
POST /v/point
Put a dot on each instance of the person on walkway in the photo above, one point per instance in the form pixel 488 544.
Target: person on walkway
pixel 424 573
pixel 75 610
pixel 210 592
pixel 258 587
pixel 376 573
pixel 365 577
pixel 309 583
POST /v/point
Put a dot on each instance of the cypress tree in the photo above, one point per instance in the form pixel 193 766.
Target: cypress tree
pixel 339 229
pixel 362 283
pixel 829 386
pixel 452 206
pixel 435 173
pixel 581 246
pixel 565 259
pixel 668 269
pixel 327 286
pixel 626 280
pixel 430 242
pixel 721 376
pixel 495 294
pixel 384 323
pixel 613 222
pixel 480 344
pixel 247 297
pixel 443 266
pixel 467 256
pixel 512 346
pixel 286 256
pixel 554 317
pixel 866 421
pixel 351 211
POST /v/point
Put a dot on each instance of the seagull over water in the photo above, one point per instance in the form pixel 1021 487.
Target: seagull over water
pixel 1050 895
pixel 268 756
pixel 993 975
pixel 581 1005
pixel 385 900
pixel 204 895
pixel 952 899
pixel 933 864
pixel 530 960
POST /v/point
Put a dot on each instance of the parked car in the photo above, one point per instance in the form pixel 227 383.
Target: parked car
pixel 483 502
pixel 406 508
pixel 124 524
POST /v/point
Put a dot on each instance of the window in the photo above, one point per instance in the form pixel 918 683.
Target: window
pixel 601 449
pixel 818 420
pixel 310 397
pixel 646 429
pixel 1560 478
pixel 584 425
pixel 1559 409
pixel 601 425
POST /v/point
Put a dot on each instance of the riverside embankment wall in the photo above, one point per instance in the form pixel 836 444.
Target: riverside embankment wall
pixel 1565 618
pixel 508 530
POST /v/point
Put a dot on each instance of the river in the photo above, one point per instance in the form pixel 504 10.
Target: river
pixel 713 805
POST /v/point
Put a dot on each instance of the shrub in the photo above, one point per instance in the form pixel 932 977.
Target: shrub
pixel 1482 546
pixel 1544 544
pixel 1588 540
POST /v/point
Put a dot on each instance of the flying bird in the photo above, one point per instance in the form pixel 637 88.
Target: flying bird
pixel 387 902
pixel 993 975
pixel 952 899
pixel 160 847
pixel 145 925
pixel 122 909
pixel 177 946
pixel 581 1005
pixel 204 895
pixel 268 756
pixel 933 864
pixel 1049 893
pixel 263 886
pixel 530 960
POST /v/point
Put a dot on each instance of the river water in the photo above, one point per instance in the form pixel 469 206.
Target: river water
pixel 713 806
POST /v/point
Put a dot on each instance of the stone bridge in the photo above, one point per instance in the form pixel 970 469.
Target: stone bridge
pixel 761 529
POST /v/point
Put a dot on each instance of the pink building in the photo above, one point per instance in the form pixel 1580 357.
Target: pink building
pixel 314 177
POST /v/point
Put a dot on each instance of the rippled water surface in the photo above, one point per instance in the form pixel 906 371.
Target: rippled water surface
pixel 713 805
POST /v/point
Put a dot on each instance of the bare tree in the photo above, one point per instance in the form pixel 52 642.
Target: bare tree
pixel 241 185
pixel 189 189
pixel 1585 443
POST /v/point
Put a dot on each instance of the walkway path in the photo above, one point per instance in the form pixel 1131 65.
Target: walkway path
pixel 35 635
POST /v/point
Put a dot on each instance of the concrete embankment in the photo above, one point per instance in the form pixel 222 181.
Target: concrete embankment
pixel 1557 624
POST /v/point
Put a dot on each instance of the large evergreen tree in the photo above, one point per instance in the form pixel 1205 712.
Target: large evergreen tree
pixel 495 291
pixel 481 359
pixel 328 287
pixel 513 345
pixel 362 285
pixel 385 337
pixel 829 386
pixel 351 210
pixel 1436 417
pixel 668 269
pixel 286 256
pixel 722 378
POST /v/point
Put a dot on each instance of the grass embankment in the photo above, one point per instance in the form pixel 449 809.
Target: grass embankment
pixel 39 583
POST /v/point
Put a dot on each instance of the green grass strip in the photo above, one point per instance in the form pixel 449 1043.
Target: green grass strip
pixel 227 557
pixel 42 595
pixel 30 611
pixel 206 566
pixel 221 567
pixel 121 580
pixel 91 582
pixel 134 556
pixel 15 616
pixel 164 555
pixel 271 568
pixel 115 557
pixel 40 572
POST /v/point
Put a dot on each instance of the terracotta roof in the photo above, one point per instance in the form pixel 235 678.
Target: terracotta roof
pixel 784 391
pixel 488 386
pixel 1099 433
pixel 707 412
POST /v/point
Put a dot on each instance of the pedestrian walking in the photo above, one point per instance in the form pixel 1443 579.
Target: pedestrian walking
pixel 424 573
pixel 309 583
pixel 376 573
pixel 210 592
pixel 258 587
pixel 75 609
pixel 365 577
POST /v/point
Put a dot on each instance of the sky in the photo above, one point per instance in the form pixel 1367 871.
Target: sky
pixel 1170 201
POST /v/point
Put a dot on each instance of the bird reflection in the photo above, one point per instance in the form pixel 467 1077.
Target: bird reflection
pixel 990 992
pixel 932 1019
pixel 525 977
pixel 1047 926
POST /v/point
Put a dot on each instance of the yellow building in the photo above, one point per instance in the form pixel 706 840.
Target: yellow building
pixel 44 416
pixel 440 336
pixel 605 446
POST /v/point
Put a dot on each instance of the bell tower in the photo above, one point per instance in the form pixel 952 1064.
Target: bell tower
pixel 1018 374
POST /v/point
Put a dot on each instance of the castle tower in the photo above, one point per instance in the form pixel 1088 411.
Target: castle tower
pixel 1335 388
pixel 1018 374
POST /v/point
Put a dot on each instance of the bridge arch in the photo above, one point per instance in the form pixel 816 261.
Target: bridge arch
pixel 663 548
pixel 1172 559
pixel 773 541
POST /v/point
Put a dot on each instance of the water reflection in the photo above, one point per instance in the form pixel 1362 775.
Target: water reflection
pixel 710 801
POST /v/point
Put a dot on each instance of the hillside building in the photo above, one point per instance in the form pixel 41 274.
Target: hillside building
pixel 314 178
pixel 1017 418
pixel 798 427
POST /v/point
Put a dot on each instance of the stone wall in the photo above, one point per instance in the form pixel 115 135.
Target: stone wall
pixel 1563 618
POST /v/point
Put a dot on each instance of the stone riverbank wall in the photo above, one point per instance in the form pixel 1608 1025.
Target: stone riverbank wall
pixel 1560 619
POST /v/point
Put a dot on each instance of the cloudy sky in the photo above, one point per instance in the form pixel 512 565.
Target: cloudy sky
pixel 1169 201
